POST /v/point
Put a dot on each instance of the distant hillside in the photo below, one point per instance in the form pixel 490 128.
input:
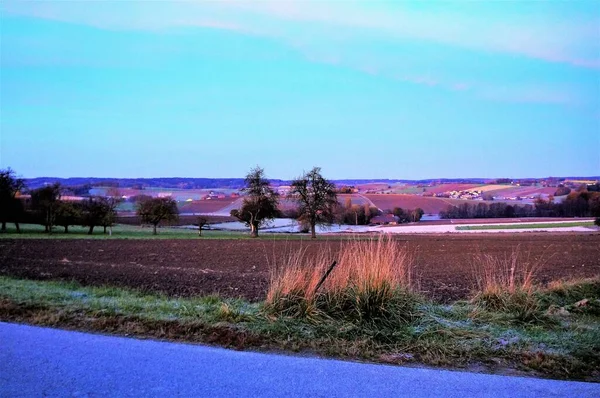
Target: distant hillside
pixel 237 183
pixel 210 183
pixel 140 183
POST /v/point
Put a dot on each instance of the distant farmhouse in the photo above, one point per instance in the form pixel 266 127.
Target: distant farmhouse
pixel 385 219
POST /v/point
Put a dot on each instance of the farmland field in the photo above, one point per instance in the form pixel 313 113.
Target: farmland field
pixel 451 187
pixel 376 186
pixel 524 191
pixel 529 225
pixel 356 199
pixel 206 206
pixel 428 204
pixel 240 268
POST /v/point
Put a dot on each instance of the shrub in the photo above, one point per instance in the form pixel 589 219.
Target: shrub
pixel 579 296
pixel 562 190
pixel 373 284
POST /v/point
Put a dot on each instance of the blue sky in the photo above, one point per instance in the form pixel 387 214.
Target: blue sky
pixel 365 90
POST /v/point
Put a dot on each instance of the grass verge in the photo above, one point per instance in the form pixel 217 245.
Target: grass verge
pixel 121 231
pixel 462 335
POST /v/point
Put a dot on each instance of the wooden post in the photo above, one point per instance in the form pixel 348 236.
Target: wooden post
pixel 325 276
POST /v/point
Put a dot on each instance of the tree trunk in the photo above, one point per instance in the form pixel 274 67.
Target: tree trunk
pixel 199 231
pixel 66 229
pixel 104 229
pixel 253 231
pixel 91 230
pixel 154 232
pixel 18 228
pixel 3 226
pixel 313 231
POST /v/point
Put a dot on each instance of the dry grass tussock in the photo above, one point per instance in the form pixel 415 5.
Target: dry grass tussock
pixel 372 282
pixel 506 283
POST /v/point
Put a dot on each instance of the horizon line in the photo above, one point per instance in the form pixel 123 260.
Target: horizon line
pixel 596 177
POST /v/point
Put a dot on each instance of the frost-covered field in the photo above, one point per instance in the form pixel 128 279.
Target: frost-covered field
pixel 286 225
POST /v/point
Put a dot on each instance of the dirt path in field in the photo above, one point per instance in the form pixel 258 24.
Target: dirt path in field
pixel 241 267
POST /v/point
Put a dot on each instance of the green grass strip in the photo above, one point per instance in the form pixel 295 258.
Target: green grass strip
pixel 32 231
pixel 525 226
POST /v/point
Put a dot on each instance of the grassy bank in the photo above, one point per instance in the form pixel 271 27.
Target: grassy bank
pixel 526 226
pixel 563 342
pixel 31 231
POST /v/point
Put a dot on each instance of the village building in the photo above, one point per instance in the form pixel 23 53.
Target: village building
pixel 385 219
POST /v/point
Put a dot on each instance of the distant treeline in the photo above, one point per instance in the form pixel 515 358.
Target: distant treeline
pixel 350 214
pixel 582 203
pixel 238 183
pixel 208 183
pixel 141 183
pixel 484 210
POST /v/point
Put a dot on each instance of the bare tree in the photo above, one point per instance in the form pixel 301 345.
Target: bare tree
pixel 68 213
pixel 367 211
pixel 155 210
pixel 44 202
pixel 260 205
pixel 11 207
pixel 348 203
pixel 202 221
pixel 316 198
pixel 99 211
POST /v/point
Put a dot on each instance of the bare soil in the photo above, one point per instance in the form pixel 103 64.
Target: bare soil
pixel 240 268
pixel 206 206
pixel 430 205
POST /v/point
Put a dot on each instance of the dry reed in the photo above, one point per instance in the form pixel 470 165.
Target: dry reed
pixel 506 282
pixel 373 281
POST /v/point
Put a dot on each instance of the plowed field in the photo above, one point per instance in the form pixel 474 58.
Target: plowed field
pixel 241 267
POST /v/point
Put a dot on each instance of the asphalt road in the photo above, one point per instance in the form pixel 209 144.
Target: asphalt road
pixel 41 362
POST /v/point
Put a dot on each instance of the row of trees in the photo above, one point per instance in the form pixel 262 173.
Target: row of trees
pixel 354 214
pixel 484 210
pixel 316 200
pixel 582 203
pixel 406 215
pixel 45 206
pixel 315 196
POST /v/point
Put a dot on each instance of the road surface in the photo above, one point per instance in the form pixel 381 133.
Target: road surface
pixel 42 362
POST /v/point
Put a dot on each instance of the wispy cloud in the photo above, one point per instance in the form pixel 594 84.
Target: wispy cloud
pixel 527 94
pixel 574 42
pixel 335 33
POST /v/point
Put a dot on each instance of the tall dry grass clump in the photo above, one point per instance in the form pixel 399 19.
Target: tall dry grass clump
pixel 372 282
pixel 506 283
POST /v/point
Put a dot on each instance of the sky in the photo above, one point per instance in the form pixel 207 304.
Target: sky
pixel 399 90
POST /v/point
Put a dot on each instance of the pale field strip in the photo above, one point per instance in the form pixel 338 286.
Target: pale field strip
pixel 440 229
pixel 283 225
pixel 490 187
